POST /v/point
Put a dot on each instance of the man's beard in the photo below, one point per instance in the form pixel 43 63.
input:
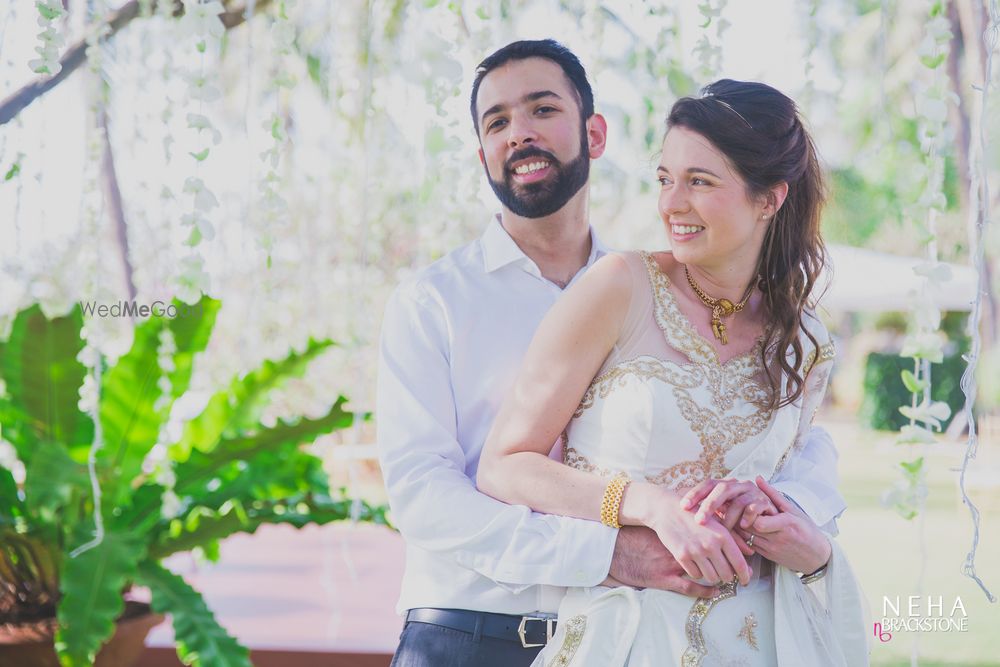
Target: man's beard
pixel 537 200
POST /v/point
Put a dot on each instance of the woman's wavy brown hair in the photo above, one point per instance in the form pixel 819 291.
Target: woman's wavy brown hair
pixel 760 132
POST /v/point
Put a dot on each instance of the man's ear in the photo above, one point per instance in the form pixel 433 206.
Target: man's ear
pixel 482 157
pixel 597 135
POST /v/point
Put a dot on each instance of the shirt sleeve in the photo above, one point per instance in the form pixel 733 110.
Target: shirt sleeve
pixel 434 503
pixel 809 478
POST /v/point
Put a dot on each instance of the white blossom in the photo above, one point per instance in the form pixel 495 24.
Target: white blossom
pixel 201 88
pixel 171 506
pixel 924 345
pixel 933 198
pixel 200 223
pixel 929 412
pixel 283 34
pixel 928 47
pixel 88 356
pixel 49 12
pixel 204 200
pixel 8 457
pixel 933 109
pixel 89 394
pixel 9 460
pixel 202 123
pixel 192 279
pixel 164 474
pixel 934 272
pixel 202 19
pixel 938 28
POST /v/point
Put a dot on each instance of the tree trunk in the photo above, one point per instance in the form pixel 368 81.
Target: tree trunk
pixel 114 198
pixel 967 24
pixel 960 115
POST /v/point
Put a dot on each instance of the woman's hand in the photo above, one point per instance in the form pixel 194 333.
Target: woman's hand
pixel 705 551
pixel 733 501
pixel 789 538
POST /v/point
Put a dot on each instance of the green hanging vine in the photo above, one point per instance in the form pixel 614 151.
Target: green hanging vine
pixel 924 343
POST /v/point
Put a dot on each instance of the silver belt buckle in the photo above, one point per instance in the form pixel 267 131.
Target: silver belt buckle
pixel 522 630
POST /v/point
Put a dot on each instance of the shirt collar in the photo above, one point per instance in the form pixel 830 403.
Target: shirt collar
pixel 499 249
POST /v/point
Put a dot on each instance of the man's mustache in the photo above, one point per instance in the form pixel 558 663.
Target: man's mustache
pixel 526 153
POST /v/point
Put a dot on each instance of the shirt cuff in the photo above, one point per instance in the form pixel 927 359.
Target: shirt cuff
pixel 823 514
pixel 587 548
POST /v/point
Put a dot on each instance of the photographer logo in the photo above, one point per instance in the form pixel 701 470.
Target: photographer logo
pixel 920 613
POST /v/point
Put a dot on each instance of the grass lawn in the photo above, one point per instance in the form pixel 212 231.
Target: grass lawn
pixel 885 548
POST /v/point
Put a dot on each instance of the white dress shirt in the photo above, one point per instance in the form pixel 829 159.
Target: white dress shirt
pixel 452 341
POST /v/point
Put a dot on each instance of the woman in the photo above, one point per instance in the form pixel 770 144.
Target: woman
pixel 664 373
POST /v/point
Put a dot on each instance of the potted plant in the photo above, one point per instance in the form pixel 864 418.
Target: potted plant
pixel 91 519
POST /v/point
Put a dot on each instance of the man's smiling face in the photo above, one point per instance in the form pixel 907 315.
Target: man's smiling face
pixel 534 142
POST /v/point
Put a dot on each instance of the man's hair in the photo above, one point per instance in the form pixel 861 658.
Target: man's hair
pixel 540 48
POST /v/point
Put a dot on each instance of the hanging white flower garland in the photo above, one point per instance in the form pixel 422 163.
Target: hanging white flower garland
pixel 924 343
pixel 809 59
pixel 202 25
pixel 93 332
pixel 49 13
pixel 272 207
pixel 708 50
pixel 164 11
pixel 157 464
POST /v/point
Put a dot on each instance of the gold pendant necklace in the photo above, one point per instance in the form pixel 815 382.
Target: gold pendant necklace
pixel 720 307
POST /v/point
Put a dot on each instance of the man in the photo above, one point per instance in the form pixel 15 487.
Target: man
pixel 483 579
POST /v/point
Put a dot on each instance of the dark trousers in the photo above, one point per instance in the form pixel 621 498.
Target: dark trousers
pixel 425 645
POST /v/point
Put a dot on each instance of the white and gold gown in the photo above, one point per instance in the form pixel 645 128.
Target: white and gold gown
pixel 665 410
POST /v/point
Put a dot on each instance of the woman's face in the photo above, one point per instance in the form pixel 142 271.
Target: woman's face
pixel 703 202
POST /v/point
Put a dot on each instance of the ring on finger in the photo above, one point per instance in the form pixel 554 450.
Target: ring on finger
pixel 750 541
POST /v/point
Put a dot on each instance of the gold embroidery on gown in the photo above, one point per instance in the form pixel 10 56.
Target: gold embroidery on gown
pixel 697 649
pixel 668 387
pixel 747 633
pixel 718 429
pixel 575 627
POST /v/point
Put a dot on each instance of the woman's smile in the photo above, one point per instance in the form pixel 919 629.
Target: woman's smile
pixel 682 233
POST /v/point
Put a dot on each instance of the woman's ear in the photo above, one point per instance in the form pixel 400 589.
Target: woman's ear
pixel 774 198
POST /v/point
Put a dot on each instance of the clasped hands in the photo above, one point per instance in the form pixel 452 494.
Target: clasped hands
pixel 708 534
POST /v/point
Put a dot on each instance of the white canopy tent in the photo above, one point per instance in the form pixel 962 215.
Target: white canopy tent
pixel 865 280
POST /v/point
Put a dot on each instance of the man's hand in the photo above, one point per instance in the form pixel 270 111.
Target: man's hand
pixel 789 538
pixel 731 500
pixel 640 560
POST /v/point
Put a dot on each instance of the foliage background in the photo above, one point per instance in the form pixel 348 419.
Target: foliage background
pixel 376 154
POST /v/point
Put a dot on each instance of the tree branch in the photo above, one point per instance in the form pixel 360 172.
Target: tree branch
pixel 76 55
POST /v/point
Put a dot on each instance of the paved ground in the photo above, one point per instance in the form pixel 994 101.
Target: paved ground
pixel 326 596
pixel 319 590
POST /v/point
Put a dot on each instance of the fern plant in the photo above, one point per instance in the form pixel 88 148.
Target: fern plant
pixel 230 474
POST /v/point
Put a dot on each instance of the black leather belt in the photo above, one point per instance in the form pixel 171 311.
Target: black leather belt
pixel 530 631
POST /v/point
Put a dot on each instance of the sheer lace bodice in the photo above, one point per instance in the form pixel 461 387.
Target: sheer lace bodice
pixel 664 409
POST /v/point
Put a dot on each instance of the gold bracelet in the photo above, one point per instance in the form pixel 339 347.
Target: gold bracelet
pixel 612 503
